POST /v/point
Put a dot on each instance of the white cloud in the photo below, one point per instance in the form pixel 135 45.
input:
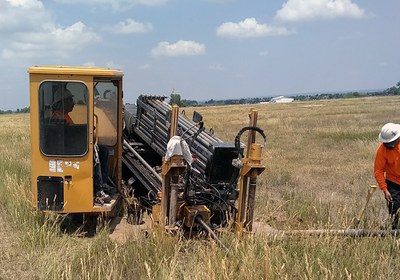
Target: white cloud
pixel 130 26
pixel 54 41
pixel 180 48
pixel 73 36
pixel 109 64
pixel 28 31
pixel 116 4
pixel 16 15
pixel 145 67
pixel 249 28
pixel 26 4
pixel 307 10
pixel 263 53
pixel 216 67
pixel 89 63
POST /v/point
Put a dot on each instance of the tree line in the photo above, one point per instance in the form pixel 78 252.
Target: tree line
pixel 175 98
pixel 22 110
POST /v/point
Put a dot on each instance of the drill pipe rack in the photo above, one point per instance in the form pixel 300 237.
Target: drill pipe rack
pixel 184 194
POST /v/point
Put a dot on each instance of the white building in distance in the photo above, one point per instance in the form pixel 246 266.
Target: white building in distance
pixel 281 99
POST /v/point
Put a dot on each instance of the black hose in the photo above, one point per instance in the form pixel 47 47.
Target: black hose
pixel 244 129
pixel 236 173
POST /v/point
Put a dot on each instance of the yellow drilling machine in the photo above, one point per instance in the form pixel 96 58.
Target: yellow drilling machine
pixel 91 154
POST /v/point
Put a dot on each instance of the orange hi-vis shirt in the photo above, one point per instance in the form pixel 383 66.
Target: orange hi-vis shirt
pixel 62 116
pixel 387 166
pixel 68 119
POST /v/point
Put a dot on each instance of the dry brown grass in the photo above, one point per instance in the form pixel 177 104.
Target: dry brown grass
pixel 319 158
pixel 319 164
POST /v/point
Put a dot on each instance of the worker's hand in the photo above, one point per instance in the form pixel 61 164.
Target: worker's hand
pixel 388 197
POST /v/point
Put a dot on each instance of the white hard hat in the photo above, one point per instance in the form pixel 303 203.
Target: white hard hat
pixel 61 94
pixel 389 133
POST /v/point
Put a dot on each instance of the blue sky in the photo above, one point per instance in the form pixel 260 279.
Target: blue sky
pixel 205 49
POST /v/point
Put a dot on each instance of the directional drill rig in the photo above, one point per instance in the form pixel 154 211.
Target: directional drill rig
pixel 160 161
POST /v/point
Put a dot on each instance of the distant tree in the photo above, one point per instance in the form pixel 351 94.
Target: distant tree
pixel 192 103
pixel 175 98
pixel 395 90
pixel 25 110
pixel 392 91
pixel 211 101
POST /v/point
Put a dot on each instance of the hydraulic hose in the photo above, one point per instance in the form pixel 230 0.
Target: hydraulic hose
pixel 244 129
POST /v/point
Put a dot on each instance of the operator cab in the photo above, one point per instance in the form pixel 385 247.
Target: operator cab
pixel 76 115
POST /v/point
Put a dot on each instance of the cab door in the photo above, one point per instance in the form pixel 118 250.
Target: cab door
pixel 107 101
pixel 62 154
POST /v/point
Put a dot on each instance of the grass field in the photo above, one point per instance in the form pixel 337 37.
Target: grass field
pixel 319 165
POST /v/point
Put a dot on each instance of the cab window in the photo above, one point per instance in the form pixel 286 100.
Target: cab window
pixel 106 111
pixel 63 118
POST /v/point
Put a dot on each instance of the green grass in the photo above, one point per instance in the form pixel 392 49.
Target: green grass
pixel 319 165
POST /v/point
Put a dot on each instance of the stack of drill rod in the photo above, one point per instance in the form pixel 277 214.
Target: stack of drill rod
pixel 153 126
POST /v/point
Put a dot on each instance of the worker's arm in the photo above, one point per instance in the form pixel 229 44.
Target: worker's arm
pixel 379 172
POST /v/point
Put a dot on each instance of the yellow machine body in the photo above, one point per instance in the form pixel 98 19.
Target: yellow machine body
pixel 77 111
pixel 63 155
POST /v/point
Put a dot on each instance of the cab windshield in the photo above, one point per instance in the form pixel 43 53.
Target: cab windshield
pixel 63 118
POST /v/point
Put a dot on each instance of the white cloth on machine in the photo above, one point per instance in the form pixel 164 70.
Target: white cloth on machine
pixel 177 146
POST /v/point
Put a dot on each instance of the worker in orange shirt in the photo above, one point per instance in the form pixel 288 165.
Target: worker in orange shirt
pixel 387 168
pixel 63 104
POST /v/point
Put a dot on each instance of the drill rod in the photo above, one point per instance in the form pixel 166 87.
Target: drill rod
pixel 211 232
